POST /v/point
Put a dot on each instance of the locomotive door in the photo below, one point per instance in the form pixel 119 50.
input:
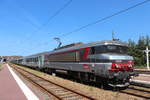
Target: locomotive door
pixel 41 61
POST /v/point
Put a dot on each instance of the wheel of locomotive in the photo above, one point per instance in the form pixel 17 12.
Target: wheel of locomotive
pixel 102 82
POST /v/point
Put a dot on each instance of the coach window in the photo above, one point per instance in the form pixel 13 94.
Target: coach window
pixel 30 59
pixel 33 59
pixel 36 59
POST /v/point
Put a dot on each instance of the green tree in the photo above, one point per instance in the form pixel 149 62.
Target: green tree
pixel 136 49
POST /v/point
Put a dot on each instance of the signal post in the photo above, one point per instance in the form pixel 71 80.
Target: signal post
pixel 147 57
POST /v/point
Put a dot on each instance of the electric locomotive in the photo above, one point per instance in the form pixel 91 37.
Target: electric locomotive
pixel 105 62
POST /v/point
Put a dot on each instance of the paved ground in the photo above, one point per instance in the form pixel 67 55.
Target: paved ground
pixel 9 87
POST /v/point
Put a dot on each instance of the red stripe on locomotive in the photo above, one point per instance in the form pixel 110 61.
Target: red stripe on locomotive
pixel 87 50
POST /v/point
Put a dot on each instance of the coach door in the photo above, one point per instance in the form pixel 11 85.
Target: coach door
pixel 41 61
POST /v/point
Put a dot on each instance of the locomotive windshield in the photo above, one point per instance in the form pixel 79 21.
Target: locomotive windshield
pixel 109 49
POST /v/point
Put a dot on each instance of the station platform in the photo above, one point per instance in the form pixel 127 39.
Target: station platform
pixel 142 80
pixel 12 88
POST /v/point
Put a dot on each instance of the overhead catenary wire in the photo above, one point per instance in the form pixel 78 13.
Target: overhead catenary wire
pixel 104 18
pixel 51 17
pixel 55 14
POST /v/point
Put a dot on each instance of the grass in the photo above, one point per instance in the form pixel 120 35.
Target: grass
pixel 140 67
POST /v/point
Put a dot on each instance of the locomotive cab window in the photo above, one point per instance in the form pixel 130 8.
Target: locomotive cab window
pixel 116 49
pixel 92 51
pixel 109 49
pixel 97 50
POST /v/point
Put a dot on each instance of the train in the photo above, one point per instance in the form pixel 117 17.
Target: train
pixel 104 62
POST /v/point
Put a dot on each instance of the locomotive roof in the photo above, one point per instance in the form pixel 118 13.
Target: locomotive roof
pixel 108 42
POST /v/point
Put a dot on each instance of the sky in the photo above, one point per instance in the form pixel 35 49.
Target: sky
pixel 22 31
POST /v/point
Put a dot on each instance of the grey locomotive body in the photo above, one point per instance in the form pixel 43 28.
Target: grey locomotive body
pixel 105 62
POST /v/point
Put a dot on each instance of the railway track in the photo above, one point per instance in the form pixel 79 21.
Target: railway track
pixel 62 93
pixel 137 91
pixel 55 91
pixel 142 71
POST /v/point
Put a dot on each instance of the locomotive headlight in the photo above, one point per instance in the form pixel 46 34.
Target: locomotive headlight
pixel 130 65
pixel 117 66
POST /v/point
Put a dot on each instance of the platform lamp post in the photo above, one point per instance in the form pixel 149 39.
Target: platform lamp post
pixel 147 57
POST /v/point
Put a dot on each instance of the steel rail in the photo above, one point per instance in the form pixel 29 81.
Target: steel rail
pixel 80 94
pixel 45 90
pixel 142 71
pixel 139 92
pixel 139 89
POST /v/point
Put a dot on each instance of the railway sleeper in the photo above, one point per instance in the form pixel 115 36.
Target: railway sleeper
pixel 67 94
pixel 70 96
pixel 52 88
pixel 38 80
pixel 60 91
pixel 56 90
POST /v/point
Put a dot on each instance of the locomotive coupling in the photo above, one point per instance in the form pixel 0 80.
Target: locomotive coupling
pixel 134 74
pixel 121 75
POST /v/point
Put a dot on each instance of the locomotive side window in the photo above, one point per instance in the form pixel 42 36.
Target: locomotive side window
pixel 69 56
pixel 92 51
pixel 100 49
pixel 73 56
pixel 97 50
